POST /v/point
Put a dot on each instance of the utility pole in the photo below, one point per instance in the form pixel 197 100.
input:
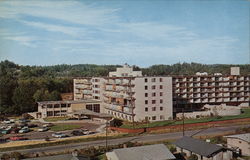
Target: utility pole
pixel 106 137
pixel 131 100
pixel 183 129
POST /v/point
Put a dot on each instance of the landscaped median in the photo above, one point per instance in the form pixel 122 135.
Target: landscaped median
pixel 28 144
pixel 189 123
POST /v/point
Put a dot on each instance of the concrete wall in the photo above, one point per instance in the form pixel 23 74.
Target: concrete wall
pixel 221 110
pixel 111 156
pixel 166 112
pixel 243 145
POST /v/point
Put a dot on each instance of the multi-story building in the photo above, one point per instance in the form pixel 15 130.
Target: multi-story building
pixel 127 95
pixel 139 98
pixel 192 92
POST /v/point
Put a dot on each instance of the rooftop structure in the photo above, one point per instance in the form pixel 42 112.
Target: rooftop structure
pixel 149 152
pixel 201 149
pixel 125 71
pixel 240 143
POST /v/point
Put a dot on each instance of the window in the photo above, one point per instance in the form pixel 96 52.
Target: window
pixel 154 118
pixel 145 80
pixel 161 108
pixel 162 117
pixel 161 100
pixel 161 86
pixel 153 94
pixel 146 109
pixel 153 108
pixel 153 80
pixel 161 93
pixel 153 87
pixel 146 101
pixel 160 79
pixel 146 94
pixel 153 101
pixel 146 87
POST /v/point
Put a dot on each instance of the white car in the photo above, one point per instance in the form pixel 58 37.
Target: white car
pixel 7 122
pixel 43 129
pixel 59 135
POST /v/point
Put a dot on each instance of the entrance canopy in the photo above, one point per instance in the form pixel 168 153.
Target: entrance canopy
pixel 89 113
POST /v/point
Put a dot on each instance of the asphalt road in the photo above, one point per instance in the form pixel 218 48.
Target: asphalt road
pixel 141 138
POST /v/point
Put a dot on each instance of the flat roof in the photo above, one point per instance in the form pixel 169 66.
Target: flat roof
pixel 70 101
pixel 148 152
pixel 90 113
pixel 244 137
pixel 198 146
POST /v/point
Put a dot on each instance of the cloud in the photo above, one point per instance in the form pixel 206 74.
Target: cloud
pixel 73 31
pixel 24 40
pixel 68 11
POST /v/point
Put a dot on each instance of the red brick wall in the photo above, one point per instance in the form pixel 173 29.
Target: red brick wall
pixel 140 130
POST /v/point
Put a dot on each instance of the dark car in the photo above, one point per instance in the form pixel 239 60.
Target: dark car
pixel 32 125
pixel 77 133
pixel 14 130
pixel 2 140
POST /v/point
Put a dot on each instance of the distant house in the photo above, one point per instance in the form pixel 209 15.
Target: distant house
pixel 61 157
pixel 239 142
pixel 203 150
pixel 150 152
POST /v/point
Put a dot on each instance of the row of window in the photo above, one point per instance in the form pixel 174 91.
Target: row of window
pixel 153 94
pixel 162 117
pixel 153 109
pixel 153 101
pixel 154 87
pixel 153 79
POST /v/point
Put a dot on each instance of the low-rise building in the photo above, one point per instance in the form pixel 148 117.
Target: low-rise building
pixel 149 152
pixel 240 143
pixel 203 150
pixel 62 108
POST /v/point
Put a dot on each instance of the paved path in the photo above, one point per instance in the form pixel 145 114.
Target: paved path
pixel 141 138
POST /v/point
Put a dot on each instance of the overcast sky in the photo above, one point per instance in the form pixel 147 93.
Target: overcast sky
pixel 141 32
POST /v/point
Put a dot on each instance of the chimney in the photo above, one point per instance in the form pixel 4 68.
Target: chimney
pixel 125 145
pixel 235 71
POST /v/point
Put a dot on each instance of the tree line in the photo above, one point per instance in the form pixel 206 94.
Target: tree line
pixel 22 86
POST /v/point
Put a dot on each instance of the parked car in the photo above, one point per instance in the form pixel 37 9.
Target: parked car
pixel 59 135
pixel 24 130
pixel 77 133
pixel 15 130
pixel 22 120
pixel 2 140
pixel 6 131
pixel 48 125
pixel 17 138
pixel 43 129
pixel 32 125
pixel 7 121
pixel 87 132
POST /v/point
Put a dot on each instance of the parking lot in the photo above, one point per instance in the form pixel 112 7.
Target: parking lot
pixel 34 134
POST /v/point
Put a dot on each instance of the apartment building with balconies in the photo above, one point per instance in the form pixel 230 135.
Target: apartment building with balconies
pixel 139 98
pixel 192 92
pixel 125 94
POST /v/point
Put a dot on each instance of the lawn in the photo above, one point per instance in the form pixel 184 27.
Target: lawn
pixel 64 127
pixel 245 114
pixel 54 119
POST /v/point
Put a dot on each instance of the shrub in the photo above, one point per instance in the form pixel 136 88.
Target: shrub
pixel 16 155
pixel 192 157
pixel 5 156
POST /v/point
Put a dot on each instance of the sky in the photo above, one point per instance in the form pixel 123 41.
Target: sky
pixel 137 32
